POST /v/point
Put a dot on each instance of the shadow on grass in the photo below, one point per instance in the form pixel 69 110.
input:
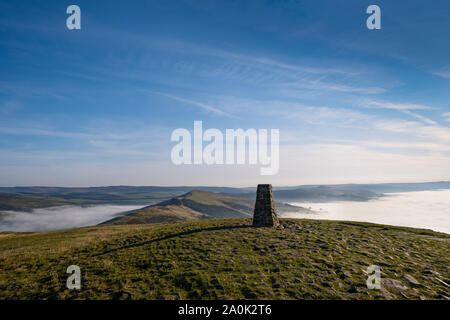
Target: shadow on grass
pixel 170 236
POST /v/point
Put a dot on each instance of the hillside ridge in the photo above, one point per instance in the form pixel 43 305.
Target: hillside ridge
pixel 195 205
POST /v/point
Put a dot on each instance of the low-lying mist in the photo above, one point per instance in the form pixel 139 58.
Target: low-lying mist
pixel 423 209
pixel 58 218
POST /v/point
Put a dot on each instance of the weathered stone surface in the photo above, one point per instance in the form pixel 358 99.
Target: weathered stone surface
pixel 412 281
pixel 265 214
pixel 393 285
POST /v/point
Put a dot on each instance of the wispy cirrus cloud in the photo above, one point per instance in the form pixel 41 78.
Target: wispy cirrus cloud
pixel 414 129
pixel 402 107
pixel 292 111
pixel 319 115
pixel 115 141
pixel 195 103
pixel 446 116
pixel 445 73
pixel 395 106
pixel 7 107
pixel 400 145
pixel 219 64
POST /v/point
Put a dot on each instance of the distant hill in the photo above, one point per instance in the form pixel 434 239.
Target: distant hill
pixel 196 205
pixel 405 187
pixel 321 194
pixel 346 192
pixel 39 197
pixel 23 202
pixel 28 198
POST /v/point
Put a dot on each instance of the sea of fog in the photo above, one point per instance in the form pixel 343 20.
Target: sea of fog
pixel 58 218
pixel 422 209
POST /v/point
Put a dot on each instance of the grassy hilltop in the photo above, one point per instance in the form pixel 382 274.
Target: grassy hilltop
pixel 226 259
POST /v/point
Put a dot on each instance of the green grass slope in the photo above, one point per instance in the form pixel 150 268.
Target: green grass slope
pixel 196 205
pixel 226 259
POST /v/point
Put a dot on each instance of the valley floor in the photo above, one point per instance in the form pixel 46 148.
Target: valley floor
pixel 227 259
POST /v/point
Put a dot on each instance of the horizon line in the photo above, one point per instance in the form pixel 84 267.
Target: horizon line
pixel 221 186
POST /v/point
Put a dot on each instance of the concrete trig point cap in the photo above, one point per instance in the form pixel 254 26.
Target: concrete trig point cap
pixel 264 214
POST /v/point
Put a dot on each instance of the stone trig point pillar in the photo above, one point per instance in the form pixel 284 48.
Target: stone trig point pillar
pixel 265 214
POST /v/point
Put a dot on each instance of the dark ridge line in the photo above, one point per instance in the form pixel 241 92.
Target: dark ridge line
pixel 184 233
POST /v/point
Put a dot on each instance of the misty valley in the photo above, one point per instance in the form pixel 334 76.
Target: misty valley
pixel 46 209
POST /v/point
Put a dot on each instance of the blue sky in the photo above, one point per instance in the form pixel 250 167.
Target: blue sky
pixel 97 106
